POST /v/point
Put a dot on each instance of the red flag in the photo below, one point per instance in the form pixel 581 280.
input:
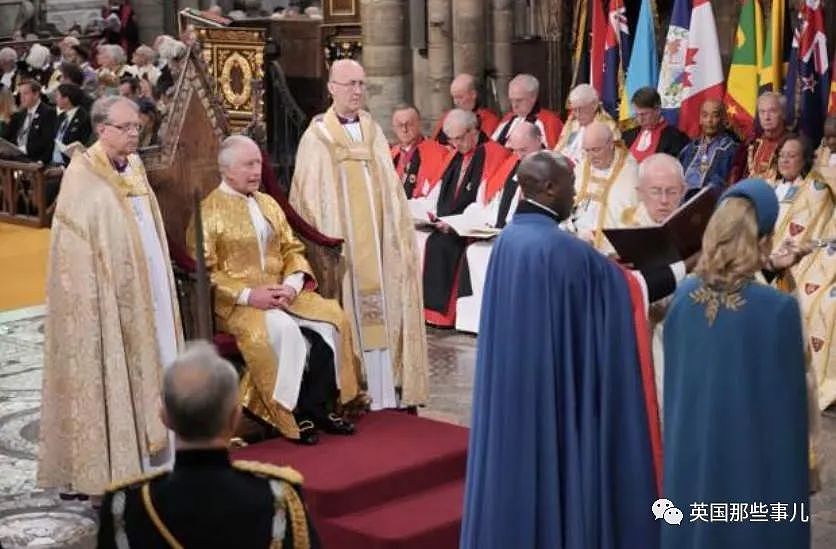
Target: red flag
pixel 596 58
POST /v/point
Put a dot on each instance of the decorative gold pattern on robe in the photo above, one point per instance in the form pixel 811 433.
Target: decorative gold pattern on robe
pixel 714 300
pixel 233 259
pixel 613 194
pixel 807 212
pixel 102 370
pixel 316 193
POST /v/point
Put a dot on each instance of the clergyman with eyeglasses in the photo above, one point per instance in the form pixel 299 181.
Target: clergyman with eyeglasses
pixel 345 185
pixel 112 322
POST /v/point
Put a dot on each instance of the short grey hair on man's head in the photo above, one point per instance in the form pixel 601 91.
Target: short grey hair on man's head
pixel 661 161
pixel 100 113
pixel 8 55
pixel 782 101
pixel 460 117
pixel 226 152
pixel 117 53
pixel 528 82
pixel 583 94
pixel 147 52
pixel 200 392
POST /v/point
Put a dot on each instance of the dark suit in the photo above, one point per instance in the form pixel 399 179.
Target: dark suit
pixel 671 142
pixel 78 129
pixel 40 140
pixel 208 502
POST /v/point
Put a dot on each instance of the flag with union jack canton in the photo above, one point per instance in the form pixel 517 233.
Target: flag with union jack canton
pixel 808 79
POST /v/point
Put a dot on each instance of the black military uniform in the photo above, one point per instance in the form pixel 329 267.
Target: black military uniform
pixel 208 502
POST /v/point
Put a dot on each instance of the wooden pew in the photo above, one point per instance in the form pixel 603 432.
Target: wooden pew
pixel 23 193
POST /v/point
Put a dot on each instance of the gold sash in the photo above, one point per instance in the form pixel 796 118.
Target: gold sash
pixel 361 209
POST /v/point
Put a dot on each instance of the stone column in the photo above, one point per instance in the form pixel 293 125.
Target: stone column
pixel 469 37
pixel 439 57
pixel 384 57
pixel 503 33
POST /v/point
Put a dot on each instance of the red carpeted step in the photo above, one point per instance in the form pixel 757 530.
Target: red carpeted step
pixel 427 519
pixel 392 455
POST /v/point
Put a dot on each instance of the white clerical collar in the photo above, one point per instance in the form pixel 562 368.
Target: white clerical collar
pixel 225 187
pixel 541 206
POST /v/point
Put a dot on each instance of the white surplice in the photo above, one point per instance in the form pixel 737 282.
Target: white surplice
pixel 163 306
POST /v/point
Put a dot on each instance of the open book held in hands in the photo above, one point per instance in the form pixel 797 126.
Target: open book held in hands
pixel 470 226
pixel 676 239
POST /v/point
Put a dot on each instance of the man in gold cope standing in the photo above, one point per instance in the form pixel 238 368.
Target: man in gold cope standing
pixel 112 322
pixel 297 345
pixel 346 187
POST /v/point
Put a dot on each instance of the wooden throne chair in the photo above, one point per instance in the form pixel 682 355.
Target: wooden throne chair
pixel 182 169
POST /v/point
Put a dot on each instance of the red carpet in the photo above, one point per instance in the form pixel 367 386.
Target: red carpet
pixel 397 483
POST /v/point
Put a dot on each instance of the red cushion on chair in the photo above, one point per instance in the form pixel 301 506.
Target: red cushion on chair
pixel 225 344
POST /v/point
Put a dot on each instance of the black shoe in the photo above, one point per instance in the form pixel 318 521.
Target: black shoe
pixel 335 425
pixel 307 433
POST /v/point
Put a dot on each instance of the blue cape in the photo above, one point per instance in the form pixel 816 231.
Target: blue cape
pixel 735 429
pixel 560 455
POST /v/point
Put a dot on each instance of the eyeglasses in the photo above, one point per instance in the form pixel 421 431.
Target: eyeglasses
pixel 127 127
pixel 358 84
pixel 667 193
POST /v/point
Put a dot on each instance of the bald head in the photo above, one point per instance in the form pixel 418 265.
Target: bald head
pixel 463 91
pixel 546 177
pixel 525 139
pixel 347 86
pixel 712 117
pixel 599 145
pixel 661 185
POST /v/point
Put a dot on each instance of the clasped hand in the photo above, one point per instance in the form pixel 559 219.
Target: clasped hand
pixel 272 296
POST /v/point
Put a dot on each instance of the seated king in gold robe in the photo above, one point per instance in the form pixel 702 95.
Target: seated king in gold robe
pixel 297 345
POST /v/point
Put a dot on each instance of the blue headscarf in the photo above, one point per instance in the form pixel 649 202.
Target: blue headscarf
pixel 762 197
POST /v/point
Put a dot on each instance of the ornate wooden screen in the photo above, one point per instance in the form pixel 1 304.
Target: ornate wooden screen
pixel 234 58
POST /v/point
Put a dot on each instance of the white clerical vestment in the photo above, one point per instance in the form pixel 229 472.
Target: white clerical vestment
pixel 163 307
pixel 284 329
pixel 602 196
pixel 469 308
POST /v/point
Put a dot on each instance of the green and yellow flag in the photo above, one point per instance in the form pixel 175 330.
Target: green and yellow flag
pixel 742 83
pixel 777 48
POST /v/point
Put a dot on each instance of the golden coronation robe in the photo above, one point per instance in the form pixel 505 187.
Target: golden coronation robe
pixel 236 261
pixel 112 324
pixel 345 185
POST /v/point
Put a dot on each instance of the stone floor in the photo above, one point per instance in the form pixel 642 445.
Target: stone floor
pixel 30 517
